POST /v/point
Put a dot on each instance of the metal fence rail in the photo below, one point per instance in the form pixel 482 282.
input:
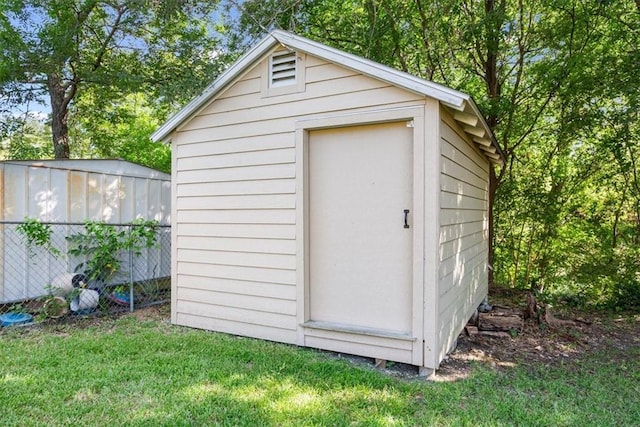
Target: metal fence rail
pixel 76 268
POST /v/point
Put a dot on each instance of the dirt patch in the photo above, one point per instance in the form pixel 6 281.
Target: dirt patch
pixel 503 339
pixel 154 312
pixel 572 335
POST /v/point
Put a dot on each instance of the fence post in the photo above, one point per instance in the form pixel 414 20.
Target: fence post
pixel 131 303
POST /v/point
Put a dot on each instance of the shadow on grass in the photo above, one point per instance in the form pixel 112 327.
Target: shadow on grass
pixel 148 373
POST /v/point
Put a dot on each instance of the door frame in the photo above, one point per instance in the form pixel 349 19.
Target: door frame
pixel 415 117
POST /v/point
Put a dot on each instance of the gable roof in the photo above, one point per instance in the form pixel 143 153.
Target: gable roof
pixel 462 107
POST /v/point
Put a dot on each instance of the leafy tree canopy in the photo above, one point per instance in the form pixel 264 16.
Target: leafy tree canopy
pixel 55 49
pixel 559 84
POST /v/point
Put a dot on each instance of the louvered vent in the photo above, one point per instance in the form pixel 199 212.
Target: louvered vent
pixel 283 69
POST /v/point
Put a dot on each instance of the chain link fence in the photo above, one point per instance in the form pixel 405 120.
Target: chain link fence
pixel 55 270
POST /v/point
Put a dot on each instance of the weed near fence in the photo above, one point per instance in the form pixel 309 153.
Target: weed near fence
pixel 50 270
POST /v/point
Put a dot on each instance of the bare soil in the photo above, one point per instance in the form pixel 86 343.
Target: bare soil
pixel 571 335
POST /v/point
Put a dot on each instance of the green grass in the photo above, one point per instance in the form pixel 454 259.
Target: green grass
pixel 131 372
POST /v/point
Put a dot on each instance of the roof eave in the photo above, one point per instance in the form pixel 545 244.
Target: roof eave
pixel 451 98
pixel 163 133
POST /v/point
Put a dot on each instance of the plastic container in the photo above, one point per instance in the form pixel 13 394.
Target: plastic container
pixel 87 301
pixel 55 307
pixel 65 283
pixel 120 298
pixel 12 319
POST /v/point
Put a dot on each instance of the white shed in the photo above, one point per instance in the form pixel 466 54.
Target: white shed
pixel 65 192
pixel 325 200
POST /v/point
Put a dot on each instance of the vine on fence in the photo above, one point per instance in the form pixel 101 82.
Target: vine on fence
pixel 37 235
pixel 101 253
pixel 101 246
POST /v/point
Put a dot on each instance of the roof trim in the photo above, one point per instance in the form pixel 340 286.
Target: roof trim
pixel 163 133
pixel 453 99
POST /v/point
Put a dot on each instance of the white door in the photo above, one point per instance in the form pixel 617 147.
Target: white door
pixel 360 251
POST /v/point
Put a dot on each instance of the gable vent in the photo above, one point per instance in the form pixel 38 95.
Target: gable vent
pixel 283 69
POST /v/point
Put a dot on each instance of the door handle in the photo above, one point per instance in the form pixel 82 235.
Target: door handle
pixel 406 214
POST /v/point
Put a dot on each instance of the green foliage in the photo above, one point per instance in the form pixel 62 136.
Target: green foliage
pixel 24 138
pixel 118 129
pixel 17 308
pixel 57 49
pixel 557 82
pixel 102 246
pixel 37 235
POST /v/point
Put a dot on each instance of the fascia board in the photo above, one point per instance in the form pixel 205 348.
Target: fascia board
pixel 471 103
pixel 450 97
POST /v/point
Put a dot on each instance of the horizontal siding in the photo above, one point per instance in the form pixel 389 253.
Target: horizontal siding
pixel 200 317
pixel 463 252
pixel 462 202
pixel 352 344
pixel 464 155
pixel 453 320
pixel 264 108
pixel 456 281
pixel 251 158
pixel 458 172
pixel 250 83
pixel 248 144
pixel 241 231
pixel 453 247
pixel 460 300
pixel 460 230
pixel 345 101
pixel 461 216
pixel 249 173
pixel 394 343
pixel 458 262
pixel 238 188
pixel 239 287
pixel 247 201
pixel 249 259
pixel 272 246
pixel 249 274
pixel 248 216
pixel 235 131
pixel 323 71
pixel 239 301
pixel 247 316
pixel 235 192
pixel 453 185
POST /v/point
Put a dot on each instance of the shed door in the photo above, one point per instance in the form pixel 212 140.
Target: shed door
pixel 360 265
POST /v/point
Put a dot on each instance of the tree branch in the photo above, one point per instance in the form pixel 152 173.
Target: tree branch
pixel 105 44
pixel 519 73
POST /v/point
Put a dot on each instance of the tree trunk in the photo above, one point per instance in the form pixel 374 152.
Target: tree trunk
pixel 59 116
pixel 491 77
pixel 493 187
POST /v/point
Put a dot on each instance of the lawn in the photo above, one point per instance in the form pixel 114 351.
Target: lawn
pixel 130 371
